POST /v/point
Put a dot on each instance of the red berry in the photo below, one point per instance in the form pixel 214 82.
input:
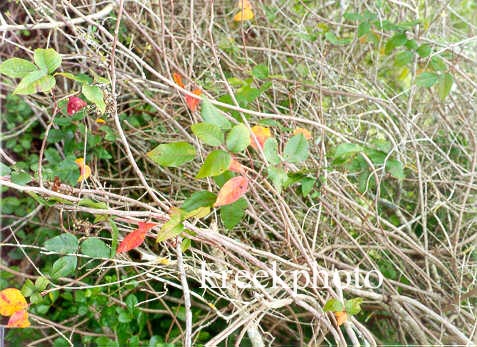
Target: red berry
pixel 75 104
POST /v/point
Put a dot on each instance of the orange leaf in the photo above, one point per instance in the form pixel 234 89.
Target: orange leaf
pixel 193 102
pixel 232 190
pixel 135 238
pixel 262 134
pixel 306 134
pixel 19 320
pixel 341 317
pixel 11 301
pixel 85 170
pixel 178 79
pixel 235 166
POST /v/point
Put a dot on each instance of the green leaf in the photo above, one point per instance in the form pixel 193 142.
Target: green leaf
pixel 185 245
pixel 87 202
pixel 212 114
pixel 28 288
pixel 220 180
pixel 353 306
pixel 172 154
pixel 438 64
pixel 64 266
pixel 363 28
pixel 445 84
pixel 124 317
pixel 131 302
pixel 411 44
pixel 403 58
pixel 353 16
pixel 216 163
pixel 331 37
pixel 21 178
pixel 296 149
pixel 307 184
pixel 278 176
pixel 238 138
pixel 346 150
pixel 395 41
pixel 260 71
pixel 41 283
pixel 63 244
pixel 95 248
pixel 247 94
pixel 33 82
pixel 95 95
pixel 208 133
pixel 81 78
pixel 424 50
pixel 4 170
pixel 426 79
pixel 16 67
pixel 199 199
pixel 47 59
pixel 99 79
pixel 333 305
pixel 169 230
pixel 114 237
pixel 395 168
pixel 270 150
pixel 233 213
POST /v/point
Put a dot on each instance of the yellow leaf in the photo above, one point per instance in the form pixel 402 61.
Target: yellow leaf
pixel 163 261
pixel 100 121
pixel 85 170
pixel 198 213
pixel 304 132
pixel 262 134
pixel 245 13
pixel 11 301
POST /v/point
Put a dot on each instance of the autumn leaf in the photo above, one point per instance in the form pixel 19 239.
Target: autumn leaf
pixel 19 319
pixel 85 170
pixel 135 238
pixel 261 134
pixel 193 102
pixel 178 79
pixel 231 191
pixel 75 104
pixel 11 301
pixel 235 166
pixel 100 121
pixel 341 317
pixel 306 134
pixel 245 11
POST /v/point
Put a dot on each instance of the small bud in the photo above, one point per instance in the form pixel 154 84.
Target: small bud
pixel 75 104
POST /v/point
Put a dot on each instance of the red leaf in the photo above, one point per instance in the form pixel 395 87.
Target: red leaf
pixel 232 190
pixel 135 238
pixel 75 104
pixel 235 166
pixel 192 102
pixel 19 320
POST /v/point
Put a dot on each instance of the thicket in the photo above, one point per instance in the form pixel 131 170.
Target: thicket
pixel 146 141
